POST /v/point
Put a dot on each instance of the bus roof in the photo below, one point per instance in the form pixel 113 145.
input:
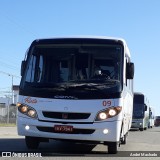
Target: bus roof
pixel 85 37
pixel 79 38
pixel 139 93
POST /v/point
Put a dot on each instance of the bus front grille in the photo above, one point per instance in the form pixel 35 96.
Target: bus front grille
pixel 60 115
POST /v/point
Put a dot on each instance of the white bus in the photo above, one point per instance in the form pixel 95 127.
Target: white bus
pixel 151 117
pixel 77 89
pixel 140 112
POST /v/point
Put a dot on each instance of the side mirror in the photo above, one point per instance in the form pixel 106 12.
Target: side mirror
pixel 130 70
pixel 145 107
pixel 23 66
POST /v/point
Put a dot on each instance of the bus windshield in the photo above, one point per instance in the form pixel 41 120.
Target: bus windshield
pixel 138 111
pixel 66 66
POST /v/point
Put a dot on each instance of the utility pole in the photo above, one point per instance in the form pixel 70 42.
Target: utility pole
pixel 8 111
pixel 12 76
pixel 12 89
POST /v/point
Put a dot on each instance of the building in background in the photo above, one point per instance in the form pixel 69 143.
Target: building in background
pixel 15 90
pixel 8 106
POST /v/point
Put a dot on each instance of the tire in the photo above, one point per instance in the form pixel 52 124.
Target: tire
pixel 32 142
pixel 124 139
pixel 141 129
pixel 149 125
pixel 113 148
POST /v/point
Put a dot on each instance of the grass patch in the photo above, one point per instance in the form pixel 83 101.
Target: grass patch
pixel 7 125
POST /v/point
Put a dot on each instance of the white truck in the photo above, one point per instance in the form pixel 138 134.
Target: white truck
pixel 78 89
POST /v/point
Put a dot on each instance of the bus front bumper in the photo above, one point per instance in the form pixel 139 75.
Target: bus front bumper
pixel 97 131
pixel 137 124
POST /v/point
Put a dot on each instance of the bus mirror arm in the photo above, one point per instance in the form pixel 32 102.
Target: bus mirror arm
pixel 23 66
pixel 130 70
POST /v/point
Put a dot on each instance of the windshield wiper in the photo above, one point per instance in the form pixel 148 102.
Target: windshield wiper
pixel 90 86
pixel 86 84
pixel 96 81
pixel 47 85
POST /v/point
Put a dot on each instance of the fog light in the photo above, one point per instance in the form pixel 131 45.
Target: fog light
pixel 105 131
pixel 27 127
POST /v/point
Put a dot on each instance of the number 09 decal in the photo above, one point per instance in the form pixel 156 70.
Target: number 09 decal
pixel 106 103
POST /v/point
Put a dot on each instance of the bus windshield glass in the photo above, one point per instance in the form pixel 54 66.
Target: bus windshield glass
pixel 65 66
pixel 138 111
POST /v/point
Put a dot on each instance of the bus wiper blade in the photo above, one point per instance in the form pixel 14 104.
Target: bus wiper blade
pixel 47 85
pixel 90 86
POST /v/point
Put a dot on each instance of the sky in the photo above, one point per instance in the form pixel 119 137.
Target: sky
pixel 138 22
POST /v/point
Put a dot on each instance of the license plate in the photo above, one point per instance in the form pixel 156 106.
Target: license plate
pixel 63 128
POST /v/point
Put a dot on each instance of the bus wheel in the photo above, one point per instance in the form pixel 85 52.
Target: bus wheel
pixel 141 129
pixel 124 139
pixel 32 142
pixel 113 148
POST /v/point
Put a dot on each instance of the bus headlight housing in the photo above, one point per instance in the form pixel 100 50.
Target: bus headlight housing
pixel 102 115
pixel 108 113
pixel 27 110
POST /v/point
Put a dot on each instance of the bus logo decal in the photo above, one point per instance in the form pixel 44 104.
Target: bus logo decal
pixel 30 100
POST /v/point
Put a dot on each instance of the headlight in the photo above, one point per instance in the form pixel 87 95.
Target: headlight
pixel 32 113
pixel 23 109
pixel 108 113
pixel 112 112
pixel 27 110
pixel 102 115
